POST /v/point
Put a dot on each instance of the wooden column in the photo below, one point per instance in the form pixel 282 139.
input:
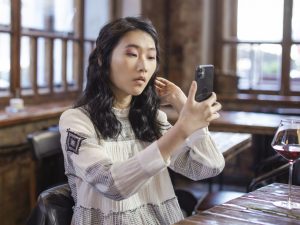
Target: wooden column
pixel 64 64
pixel 79 45
pixel 286 44
pixel 158 12
pixel 34 64
pixel 186 36
pixel 186 40
pixel 15 48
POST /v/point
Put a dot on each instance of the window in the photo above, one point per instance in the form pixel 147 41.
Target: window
pixel 45 48
pixel 55 18
pixel 260 43
pixel 5 41
pixel 295 48
pixel 33 42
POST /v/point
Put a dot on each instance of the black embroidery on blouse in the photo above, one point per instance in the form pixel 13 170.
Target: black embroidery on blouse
pixel 73 142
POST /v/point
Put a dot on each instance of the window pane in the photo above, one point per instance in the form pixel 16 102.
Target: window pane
pixel 50 15
pixel 87 50
pixel 42 80
pixel 296 20
pixel 97 13
pixel 259 66
pixel 131 8
pixel 70 62
pixel 255 17
pixel 26 83
pixel 57 62
pixel 5 64
pixel 5 12
pixel 295 68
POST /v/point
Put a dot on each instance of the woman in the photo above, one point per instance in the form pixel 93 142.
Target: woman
pixel 116 142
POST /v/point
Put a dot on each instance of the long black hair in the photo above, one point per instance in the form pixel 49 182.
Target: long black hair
pixel 98 98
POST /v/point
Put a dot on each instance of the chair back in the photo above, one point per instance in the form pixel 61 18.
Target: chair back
pixel 47 152
pixel 279 174
pixel 187 201
pixel 45 143
pixel 54 207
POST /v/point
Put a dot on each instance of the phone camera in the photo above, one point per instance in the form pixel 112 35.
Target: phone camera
pixel 200 72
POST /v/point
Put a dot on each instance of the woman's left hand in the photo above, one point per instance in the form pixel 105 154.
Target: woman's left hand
pixel 170 93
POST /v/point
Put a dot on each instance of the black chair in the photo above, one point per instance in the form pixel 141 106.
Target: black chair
pixel 268 177
pixel 186 200
pixel 54 207
pixel 49 163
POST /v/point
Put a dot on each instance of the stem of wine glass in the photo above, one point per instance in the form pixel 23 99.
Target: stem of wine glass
pixel 291 162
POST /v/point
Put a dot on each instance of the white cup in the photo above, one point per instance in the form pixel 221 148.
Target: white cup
pixel 16 104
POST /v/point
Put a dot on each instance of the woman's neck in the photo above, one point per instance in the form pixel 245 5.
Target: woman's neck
pixel 122 103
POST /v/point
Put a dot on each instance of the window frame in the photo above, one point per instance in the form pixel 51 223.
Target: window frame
pixel 231 26
pixel 16 32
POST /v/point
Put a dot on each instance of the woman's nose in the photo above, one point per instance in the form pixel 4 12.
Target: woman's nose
pixel 142 64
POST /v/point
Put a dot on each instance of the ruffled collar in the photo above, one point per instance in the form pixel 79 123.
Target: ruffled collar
pixel 121 112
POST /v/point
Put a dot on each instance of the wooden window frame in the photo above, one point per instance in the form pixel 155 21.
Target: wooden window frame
pixel 286 44
pixel 16 32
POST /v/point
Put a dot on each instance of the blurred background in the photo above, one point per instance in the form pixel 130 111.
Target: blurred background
pixel 44 48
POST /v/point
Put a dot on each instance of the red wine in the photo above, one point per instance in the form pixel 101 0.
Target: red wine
pixel 287 143
pixel 289 155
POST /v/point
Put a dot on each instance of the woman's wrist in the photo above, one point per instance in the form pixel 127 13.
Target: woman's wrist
pixel 171 140
pixel 179 101
pixel 181 129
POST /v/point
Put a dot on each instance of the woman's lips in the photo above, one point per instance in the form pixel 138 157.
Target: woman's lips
pixel 140 80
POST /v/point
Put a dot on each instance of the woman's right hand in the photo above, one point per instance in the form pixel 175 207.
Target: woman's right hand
pixel 170 93
pixel 195 115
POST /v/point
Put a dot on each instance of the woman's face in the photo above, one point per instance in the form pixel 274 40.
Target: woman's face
pixel 133 63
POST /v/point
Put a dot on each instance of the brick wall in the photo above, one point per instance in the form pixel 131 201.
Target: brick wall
pixel 186 36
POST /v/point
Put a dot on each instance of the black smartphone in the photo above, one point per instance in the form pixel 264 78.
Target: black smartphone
pixel 204 77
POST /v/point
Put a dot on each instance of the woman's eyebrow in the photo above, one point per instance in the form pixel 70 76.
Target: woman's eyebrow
pixel 139 47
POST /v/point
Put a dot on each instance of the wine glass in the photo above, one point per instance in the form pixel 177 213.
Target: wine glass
pixel 287 143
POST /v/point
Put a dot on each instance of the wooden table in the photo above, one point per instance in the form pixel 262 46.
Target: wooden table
pixel 248 122
pixel 34 113
pixel 262 126
pixel 231 144
pixel 241 122
pixel 252 208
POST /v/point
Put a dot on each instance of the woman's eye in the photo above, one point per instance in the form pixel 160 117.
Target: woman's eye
pixel 152 58
pixel 131 54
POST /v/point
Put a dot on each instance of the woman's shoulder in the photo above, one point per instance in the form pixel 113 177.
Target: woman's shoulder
pixel 77 120
pixel 79 113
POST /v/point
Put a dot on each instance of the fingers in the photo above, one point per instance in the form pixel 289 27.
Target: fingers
pixel 160 82
pixel 213 112
pixel 161 79
pixel 192 92
pixel 216 106
pixel 212 99
pixel 159 86
pixel 213 116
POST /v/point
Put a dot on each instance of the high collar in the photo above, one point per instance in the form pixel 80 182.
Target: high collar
pixel 121 112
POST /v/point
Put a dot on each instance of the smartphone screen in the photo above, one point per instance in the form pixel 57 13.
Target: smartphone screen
pixel 204 77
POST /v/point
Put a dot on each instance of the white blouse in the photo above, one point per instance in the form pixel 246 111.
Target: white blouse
pixel 125 180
